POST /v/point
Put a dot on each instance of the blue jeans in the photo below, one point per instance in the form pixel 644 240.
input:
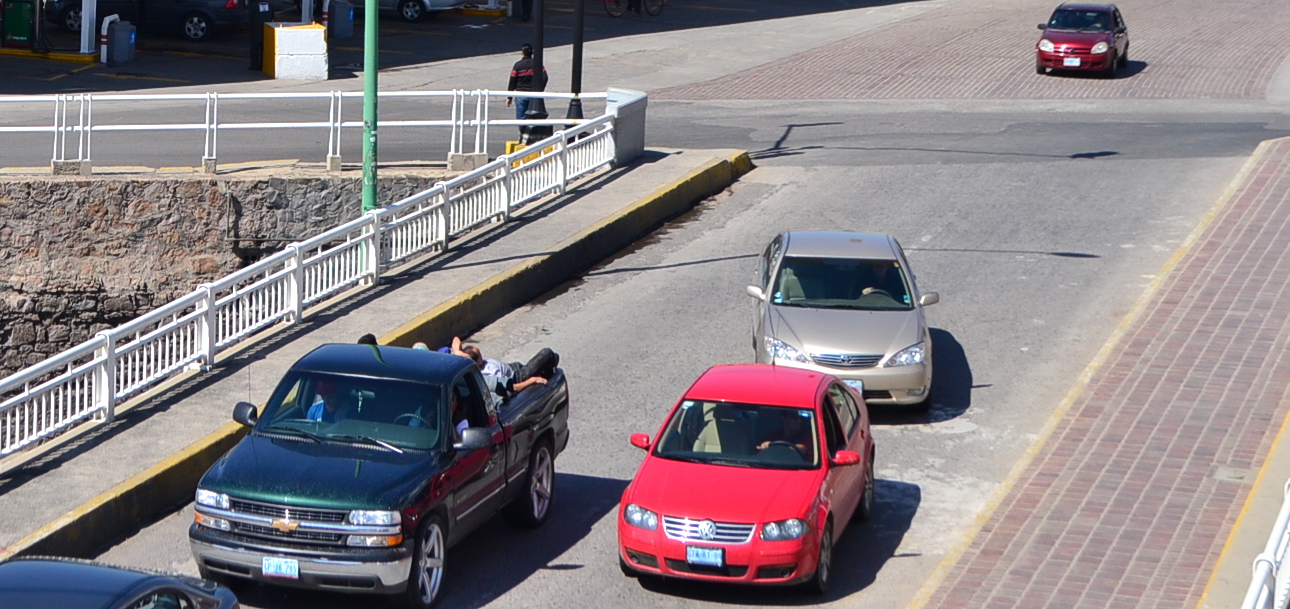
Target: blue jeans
pixel 521 107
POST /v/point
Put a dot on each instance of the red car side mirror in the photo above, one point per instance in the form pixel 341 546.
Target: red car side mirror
pixel 846 457
pixel 641 441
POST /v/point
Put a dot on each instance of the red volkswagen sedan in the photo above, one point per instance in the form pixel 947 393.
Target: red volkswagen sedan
pixel 1089 37
pixel 756 472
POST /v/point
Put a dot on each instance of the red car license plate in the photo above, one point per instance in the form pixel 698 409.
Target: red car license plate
pixel 707 557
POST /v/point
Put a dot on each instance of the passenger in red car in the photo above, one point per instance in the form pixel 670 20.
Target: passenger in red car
pixel 795 432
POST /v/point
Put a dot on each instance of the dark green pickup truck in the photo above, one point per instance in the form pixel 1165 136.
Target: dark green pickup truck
pixel 367 464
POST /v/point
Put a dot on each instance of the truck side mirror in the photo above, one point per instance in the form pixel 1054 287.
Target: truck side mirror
pixel 246 413
pixel 474 438
pixel 640 440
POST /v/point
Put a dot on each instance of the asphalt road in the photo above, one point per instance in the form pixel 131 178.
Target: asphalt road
pixel 1040 230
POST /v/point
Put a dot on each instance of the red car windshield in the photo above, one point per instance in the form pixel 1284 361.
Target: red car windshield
pixel 1088 21
pixel 741 435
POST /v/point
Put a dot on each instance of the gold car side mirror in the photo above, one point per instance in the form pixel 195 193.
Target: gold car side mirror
pixel 755 292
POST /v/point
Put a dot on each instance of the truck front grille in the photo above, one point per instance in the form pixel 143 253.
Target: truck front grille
pixel 282 512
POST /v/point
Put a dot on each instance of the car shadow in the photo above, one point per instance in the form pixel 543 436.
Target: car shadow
pixel 859 554
pixel 490 561
pixel 951 386
pixel 1133 69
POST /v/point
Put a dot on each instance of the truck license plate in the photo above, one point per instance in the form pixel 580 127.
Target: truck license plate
pixel 281 567
pixel 1071 62
pixel 708 557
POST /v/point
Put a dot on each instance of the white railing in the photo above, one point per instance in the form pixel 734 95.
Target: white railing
pixel 1270 584
pixel 73 123
pixel 87 382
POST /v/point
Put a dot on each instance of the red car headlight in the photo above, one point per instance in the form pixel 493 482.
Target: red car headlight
pixel 640 517
pixel 1046 45
pixel 784 530
pixel 1100 48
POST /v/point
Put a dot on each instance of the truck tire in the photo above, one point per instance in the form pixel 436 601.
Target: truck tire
pixel 532 507
pixel 425 582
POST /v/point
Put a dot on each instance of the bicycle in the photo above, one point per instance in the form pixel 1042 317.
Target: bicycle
pixel 616 8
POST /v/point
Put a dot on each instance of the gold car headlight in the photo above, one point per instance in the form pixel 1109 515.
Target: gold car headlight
pixel 913 354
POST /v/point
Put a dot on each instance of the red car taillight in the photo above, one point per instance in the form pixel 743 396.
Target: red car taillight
pixel 231 4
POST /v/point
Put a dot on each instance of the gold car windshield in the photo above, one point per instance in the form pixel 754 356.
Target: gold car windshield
pixel 741 435
pixel 841 283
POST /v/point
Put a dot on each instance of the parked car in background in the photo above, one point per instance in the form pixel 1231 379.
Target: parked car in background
pixel 1087 37
pixel 367 464
pixel 753 476
pixel 845 304
pixel 415 10
pixel 193 19
pixel 69 583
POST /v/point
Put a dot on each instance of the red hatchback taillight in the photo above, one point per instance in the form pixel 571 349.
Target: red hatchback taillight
pixel 231 4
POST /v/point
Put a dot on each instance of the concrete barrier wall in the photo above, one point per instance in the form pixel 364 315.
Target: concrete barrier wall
pixel 160 488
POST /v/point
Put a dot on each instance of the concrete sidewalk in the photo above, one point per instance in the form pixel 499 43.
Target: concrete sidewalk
pixel 1142 491
pixel 103 484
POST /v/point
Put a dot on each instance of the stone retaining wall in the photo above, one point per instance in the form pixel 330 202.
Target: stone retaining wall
pixel 80 255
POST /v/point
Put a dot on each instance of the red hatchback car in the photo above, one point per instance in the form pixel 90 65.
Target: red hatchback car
pixel 1091 37
pixel 756 472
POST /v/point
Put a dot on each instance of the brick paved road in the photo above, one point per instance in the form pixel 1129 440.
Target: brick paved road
pixel 984 49
pixel 1130 501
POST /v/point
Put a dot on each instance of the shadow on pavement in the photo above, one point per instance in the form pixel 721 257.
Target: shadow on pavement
pixel 164 59
pixel 951 386
pixel 493 559
pixel 860 553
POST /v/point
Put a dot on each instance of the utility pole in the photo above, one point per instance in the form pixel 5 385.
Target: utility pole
pixel 371 61
pixel 575 104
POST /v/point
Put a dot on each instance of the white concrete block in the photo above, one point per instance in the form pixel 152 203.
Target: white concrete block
pixel 300 67
pixel 302 40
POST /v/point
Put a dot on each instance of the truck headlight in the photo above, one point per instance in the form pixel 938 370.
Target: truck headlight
pixel 784 530
pixel 212 522
pixel 212 499
pixel 640 517
pixel 374 517
pixel 779 349
pixel 913 354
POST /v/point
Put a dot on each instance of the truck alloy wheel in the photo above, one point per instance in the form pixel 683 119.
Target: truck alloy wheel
pixel 532 507
pixel 426 579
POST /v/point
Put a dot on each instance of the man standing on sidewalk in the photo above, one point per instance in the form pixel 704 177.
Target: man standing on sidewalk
pixel 522 80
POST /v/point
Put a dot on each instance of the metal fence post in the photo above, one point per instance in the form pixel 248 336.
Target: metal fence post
pixel 562 165
pixel 209 162
pixel 506 190
pixel 209 325
pixel 333 133
pixel 105 378
pixel 372 245
pixel 296 299
pixel 445 216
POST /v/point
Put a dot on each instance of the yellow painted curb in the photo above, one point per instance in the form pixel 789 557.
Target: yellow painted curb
pixel 130 503
pixel 173 481
pixel 486 12
pixel 1112 343
pixel 533 277
pixel 72 57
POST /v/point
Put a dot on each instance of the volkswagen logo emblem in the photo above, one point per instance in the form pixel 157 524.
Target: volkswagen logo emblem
pixel 707 529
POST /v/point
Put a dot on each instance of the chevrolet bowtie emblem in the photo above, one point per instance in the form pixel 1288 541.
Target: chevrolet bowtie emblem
pixel 286 526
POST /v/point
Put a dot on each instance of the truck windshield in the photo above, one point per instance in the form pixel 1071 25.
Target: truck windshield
pixel 741 435
pixel 356 410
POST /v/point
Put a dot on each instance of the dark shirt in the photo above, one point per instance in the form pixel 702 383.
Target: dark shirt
pixel 522 76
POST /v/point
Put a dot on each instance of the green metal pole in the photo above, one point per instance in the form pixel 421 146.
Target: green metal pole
pixel 371 61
